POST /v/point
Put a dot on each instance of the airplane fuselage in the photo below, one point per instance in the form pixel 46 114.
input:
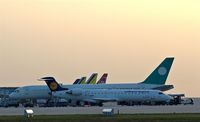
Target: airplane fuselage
pixel 106 95
pixel 43 92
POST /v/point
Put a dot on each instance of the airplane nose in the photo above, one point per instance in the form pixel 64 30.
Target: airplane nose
pixel 169 98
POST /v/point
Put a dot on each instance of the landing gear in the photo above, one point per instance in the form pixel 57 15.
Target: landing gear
pixel 82 103
pixel 77 103
pixel 100 104
pixel 28 103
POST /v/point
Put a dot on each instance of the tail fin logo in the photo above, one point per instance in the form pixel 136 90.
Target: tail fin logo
pixel 162 71
pixel 53 86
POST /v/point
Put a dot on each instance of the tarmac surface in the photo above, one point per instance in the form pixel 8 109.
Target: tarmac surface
pixel 98 110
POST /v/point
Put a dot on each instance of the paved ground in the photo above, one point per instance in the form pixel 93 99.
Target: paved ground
pixel 98 110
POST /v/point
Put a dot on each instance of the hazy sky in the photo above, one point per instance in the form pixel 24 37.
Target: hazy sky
pixel 73 38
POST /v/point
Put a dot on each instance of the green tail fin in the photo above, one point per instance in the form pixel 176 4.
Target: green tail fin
pixel 92 79
pixel 82 80
pixel 160 74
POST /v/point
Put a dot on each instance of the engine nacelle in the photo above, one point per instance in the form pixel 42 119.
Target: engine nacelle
pixel 76 92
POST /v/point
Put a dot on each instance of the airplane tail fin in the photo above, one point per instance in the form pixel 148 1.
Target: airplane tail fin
pixel 103 79
pixel 52 84
pixel 76 81
pixel 92 79
pixel 82 80
pixel 160 74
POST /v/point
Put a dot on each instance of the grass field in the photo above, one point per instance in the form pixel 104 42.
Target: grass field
pixel 101 118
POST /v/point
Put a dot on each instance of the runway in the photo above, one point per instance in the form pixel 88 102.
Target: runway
pixel 98 110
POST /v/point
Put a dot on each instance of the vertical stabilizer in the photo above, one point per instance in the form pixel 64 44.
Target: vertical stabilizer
pixel 52 84
pixel 92 79
pixel 160 74
pixel 76 81
pixel 82 80
pixel 103 79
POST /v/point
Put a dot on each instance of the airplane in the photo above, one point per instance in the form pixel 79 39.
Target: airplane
pixel 103 79
pixel 76 81
pixel 82 80
pixel 92 79
pixel 98 96
pixel 155 81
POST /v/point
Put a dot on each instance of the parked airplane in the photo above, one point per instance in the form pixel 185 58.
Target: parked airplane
pixel 92 79
pixel 103 79
pixel 76 81
pixel 98 96
pixel 82 80
pixel 156 80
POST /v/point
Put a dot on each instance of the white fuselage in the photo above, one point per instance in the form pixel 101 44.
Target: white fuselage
pixel 43 92
pixel 106 95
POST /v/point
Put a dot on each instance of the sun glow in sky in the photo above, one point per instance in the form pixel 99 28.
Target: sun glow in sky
pixel 73 38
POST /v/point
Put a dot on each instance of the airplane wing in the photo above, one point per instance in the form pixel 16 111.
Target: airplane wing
pixel 105 99
pixel 164 87
pixel 95 100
